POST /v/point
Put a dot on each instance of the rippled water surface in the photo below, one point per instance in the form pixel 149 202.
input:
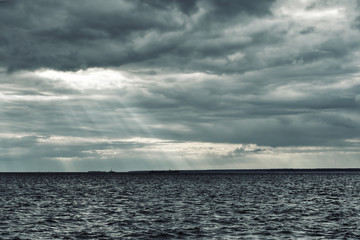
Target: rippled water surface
pixel 180 206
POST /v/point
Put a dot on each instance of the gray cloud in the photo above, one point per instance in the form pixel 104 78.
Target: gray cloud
pixel 277 74
pixel 63 36
pixel 203 110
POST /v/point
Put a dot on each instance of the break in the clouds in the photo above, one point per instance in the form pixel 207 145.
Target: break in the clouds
pixel 125 85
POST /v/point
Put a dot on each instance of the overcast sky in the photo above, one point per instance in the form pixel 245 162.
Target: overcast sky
pixel 167 84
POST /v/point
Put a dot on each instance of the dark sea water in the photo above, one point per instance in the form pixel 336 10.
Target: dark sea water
pixel 180 206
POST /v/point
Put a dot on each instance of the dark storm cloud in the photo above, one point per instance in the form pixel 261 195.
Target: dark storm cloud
pixel 224 9
pixel 188 7
pixel 63 35
pixel 357 22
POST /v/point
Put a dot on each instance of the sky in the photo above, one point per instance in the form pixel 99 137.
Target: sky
pixel 170 84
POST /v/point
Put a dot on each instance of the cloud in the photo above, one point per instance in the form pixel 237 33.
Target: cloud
pixel 60 35
pixel 277 75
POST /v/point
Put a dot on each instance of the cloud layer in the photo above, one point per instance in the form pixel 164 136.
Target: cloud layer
pixel 179 84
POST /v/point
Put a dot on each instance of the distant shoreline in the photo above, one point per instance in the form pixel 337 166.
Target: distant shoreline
pixel 215 171
pixel 239 171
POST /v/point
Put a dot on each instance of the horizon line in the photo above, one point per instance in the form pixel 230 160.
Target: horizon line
pixel 198 170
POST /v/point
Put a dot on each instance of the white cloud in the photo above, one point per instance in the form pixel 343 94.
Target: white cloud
pixel 91 78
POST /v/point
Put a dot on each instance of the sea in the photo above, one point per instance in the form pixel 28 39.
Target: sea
pixel 314 205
